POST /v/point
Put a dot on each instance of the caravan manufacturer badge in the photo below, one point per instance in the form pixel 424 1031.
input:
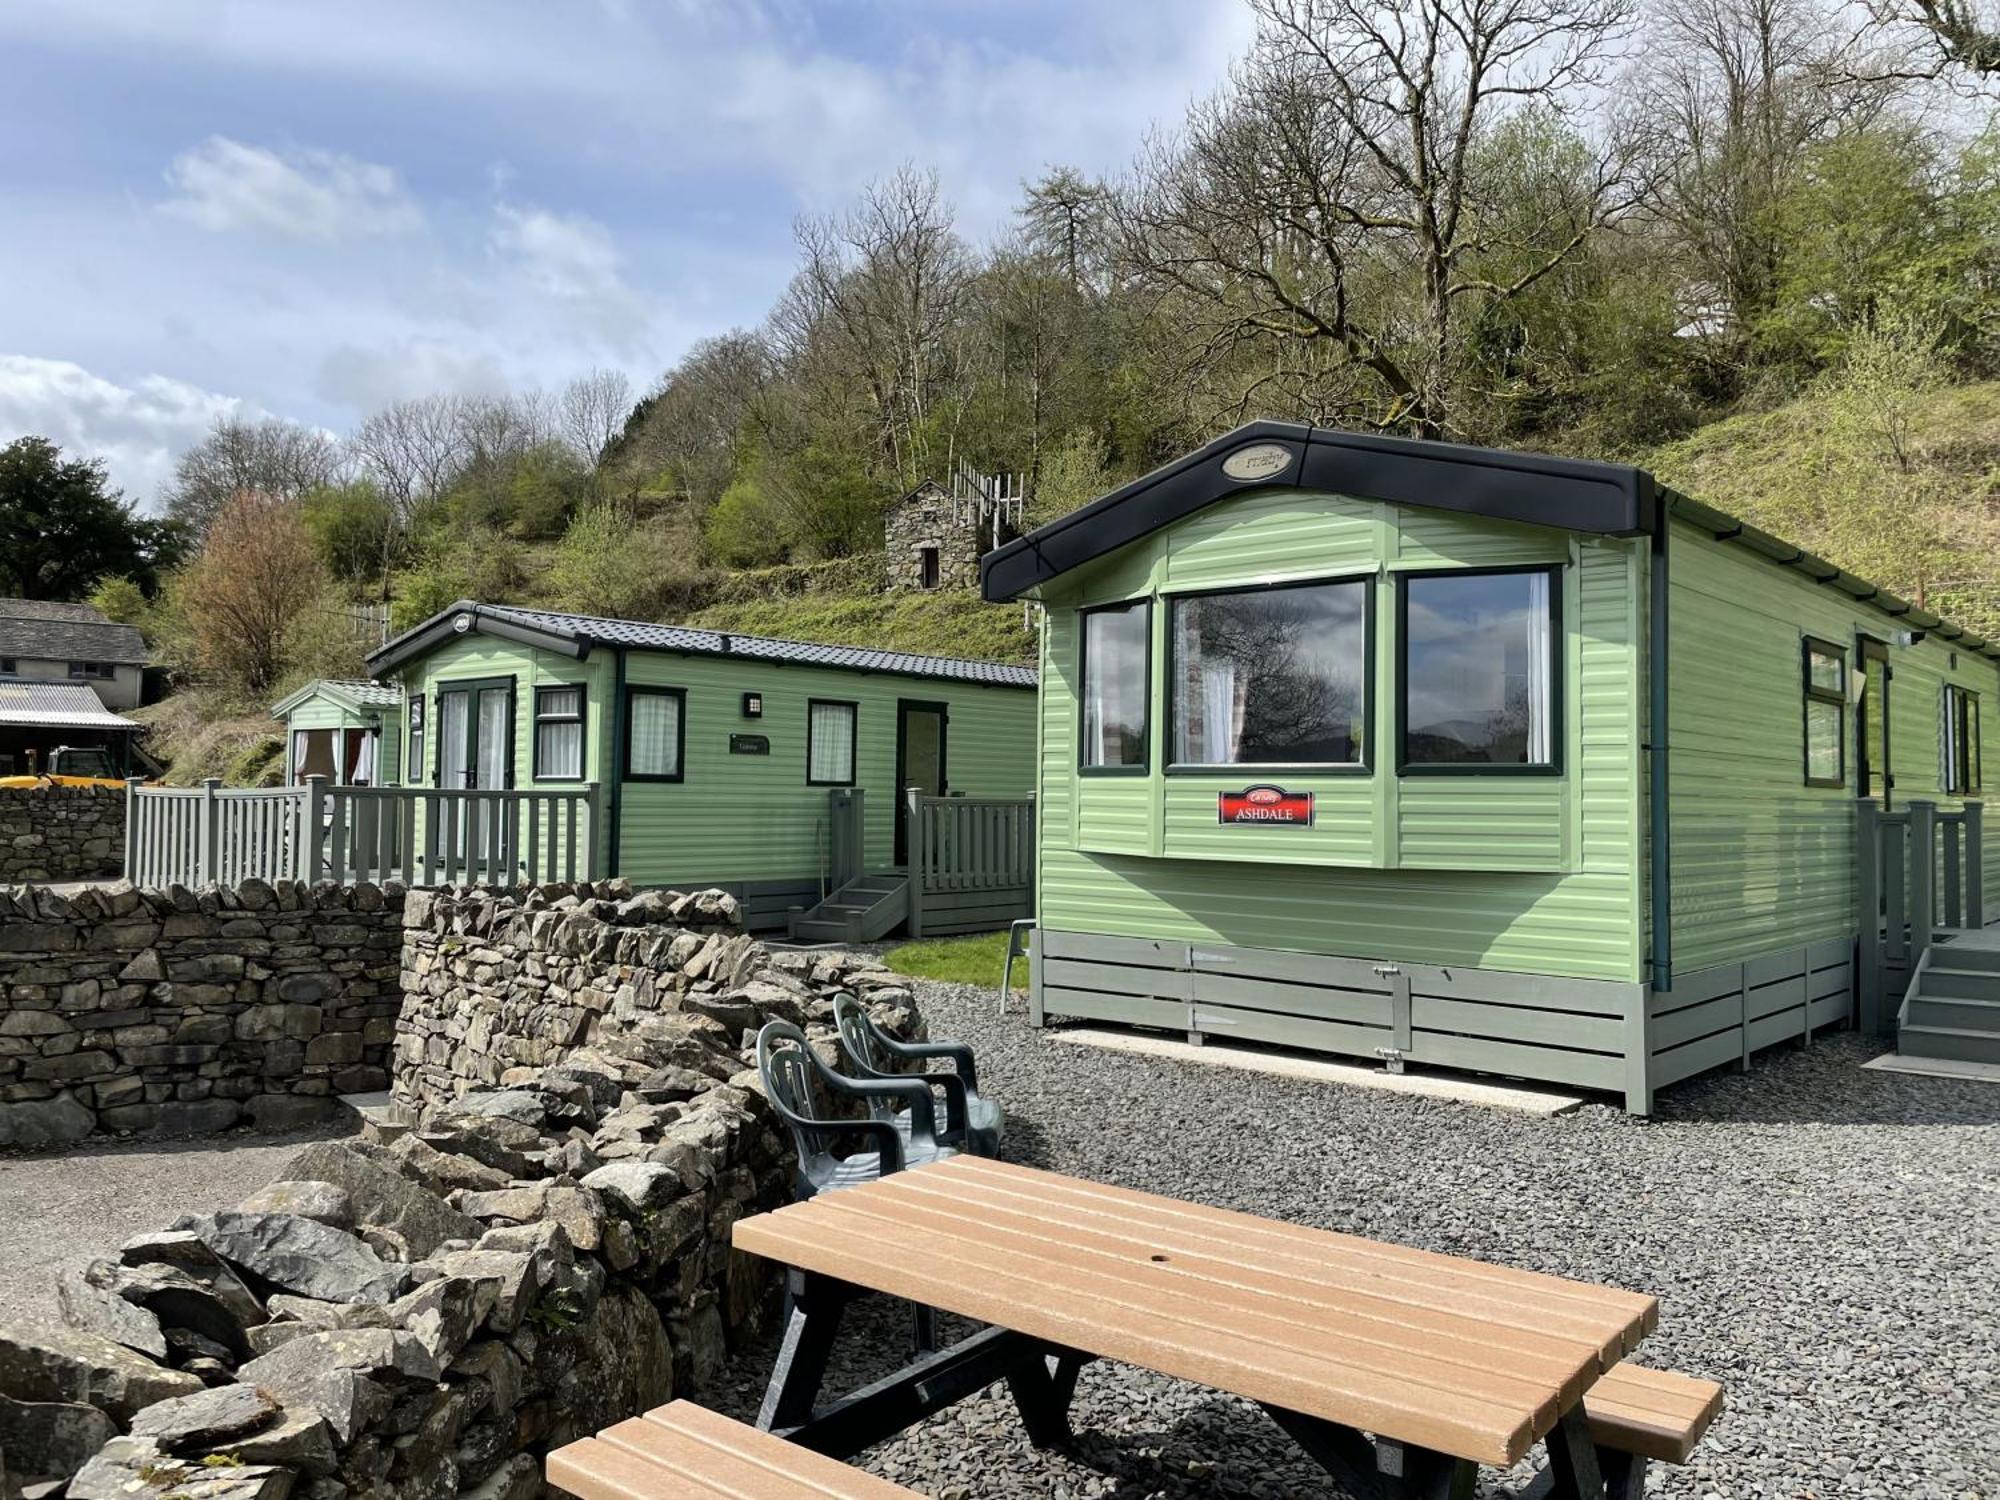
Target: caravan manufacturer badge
pixel 1267 805
pixel 1259 461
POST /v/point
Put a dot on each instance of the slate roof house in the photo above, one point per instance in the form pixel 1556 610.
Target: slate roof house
pixel 44 641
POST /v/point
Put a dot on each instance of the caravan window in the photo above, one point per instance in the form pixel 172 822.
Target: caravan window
pixel 1824 679
pixel 1117 651
pixel 413 767
pixel 1961 741
pixel 1481 662
pixel 559 733
pixel 655 733
pixel 1271 676
pixel 830 729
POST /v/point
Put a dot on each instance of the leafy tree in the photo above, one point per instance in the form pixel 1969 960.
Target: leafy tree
pixel 350 524
pixel 245 593
pixel 609 564
pixel 120 599
pixel 62 527
pixel 744 529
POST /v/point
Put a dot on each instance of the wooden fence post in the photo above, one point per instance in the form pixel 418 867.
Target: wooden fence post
pixel 1975 866
pixel 1868 893
pixel 919 839
pixel 591 802
pixel 1923 878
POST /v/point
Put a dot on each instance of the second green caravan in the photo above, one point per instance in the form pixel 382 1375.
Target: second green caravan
pixel 812 780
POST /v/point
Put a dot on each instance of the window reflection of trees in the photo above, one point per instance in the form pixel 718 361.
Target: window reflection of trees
pixel 1296 700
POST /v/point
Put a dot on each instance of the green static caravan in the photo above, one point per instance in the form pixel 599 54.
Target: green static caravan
pixel 1345 745
pixel 335 728
pixel 770 768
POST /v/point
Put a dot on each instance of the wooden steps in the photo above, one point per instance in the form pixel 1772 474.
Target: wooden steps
pixel 1952 1009
pixel 866 908
pixel 684 1452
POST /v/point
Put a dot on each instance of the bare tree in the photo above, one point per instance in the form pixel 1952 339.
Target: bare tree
pixel 1330 207
pixel 1065 215
pixel 256 576
pixel 1957 34
pixel 591 411
pixel 276 458
pixel 884 286
pixel 414 449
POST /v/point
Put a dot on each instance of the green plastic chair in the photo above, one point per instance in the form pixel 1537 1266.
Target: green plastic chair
pixel 972 1122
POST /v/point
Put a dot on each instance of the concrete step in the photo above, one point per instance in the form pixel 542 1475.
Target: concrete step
pixel 1946 977
pixel 1957 1043
pixel 1928 1009
pixel 382 1118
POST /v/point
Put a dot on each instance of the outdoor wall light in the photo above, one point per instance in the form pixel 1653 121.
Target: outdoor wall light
pixel 753 705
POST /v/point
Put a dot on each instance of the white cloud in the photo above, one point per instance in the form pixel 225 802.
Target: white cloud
pixel 226 185
pixel 137 429
pixel 574 262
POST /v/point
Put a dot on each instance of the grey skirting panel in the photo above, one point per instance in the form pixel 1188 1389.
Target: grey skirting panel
pixel 1599 1035
pixel 768 904
pixel 946 912
pixel 1724 1014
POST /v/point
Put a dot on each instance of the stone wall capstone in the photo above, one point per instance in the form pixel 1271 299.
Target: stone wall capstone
pixel 423 1312
pixel 61 833
pixel 190 1011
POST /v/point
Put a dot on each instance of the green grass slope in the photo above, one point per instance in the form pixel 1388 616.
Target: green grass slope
pixel 940 624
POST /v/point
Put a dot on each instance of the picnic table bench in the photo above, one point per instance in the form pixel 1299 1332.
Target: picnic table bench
pixel 1385 1363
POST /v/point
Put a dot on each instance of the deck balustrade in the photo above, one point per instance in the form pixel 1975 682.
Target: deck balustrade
pixel 1921 868
pixel 423 836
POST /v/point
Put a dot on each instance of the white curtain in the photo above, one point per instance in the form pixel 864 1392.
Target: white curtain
pixel 1539 699
pixel 364 761
pixel 655 734
pixel 559 725
pixel 1221 713
pixel 496 710
pixel 830 743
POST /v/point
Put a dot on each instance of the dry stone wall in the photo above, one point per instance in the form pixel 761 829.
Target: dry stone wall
pixel 185 1012
pixel 424 1311
pixel 61 833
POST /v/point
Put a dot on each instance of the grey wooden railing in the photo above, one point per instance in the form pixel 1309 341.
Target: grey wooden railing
pixel 1919 868
pixel 348 834
pixel 972 862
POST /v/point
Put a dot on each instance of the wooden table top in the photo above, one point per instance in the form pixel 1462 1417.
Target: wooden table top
pixel 1470 1359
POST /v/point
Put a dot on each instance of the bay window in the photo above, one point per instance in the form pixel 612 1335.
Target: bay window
pixel 559 733
pixel 1481 662
pixel 1271 676
pixel 1116 668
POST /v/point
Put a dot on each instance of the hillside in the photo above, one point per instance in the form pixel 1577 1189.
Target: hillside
pixel 1899 487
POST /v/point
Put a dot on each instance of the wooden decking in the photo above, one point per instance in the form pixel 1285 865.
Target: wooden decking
pixel 1452 1355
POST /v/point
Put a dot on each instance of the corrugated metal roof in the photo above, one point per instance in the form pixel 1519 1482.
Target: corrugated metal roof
pixel 639 634
pixel 70 705
pixel 49 631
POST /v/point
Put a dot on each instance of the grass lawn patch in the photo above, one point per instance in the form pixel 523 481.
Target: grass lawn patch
pixel 974 959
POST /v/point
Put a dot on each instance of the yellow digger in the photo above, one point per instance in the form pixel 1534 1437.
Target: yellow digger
pixel 71 765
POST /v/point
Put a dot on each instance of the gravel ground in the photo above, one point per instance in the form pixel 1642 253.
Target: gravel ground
pixel 59 1209
pixel 1823 1240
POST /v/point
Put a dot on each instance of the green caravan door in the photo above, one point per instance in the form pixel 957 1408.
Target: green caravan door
pixel 920 761
pixel 475 745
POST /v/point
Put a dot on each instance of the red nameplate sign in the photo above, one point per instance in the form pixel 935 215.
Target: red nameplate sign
pixel 1267 805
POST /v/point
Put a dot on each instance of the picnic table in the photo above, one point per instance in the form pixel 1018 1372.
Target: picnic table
pixel 1385 1363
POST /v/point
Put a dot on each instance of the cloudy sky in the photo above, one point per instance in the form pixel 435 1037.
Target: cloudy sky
pixel 309 209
